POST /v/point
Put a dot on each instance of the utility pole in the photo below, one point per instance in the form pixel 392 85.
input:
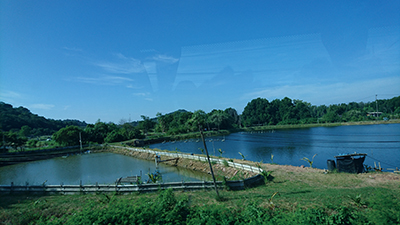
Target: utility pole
pixel 208 158
pixel 80 141
pixel 376 100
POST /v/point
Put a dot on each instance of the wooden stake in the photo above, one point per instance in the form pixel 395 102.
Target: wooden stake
pixel 209 163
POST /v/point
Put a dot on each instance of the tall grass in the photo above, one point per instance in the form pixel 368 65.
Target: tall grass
pixel 167 207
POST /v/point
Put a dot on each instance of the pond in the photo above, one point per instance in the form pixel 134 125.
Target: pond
pixel 104 168
pixel 381 143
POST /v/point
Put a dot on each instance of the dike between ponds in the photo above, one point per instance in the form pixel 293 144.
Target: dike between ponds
pixel 10 158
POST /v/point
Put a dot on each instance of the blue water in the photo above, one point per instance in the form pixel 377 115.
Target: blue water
pixel 380 142
pixel 103 168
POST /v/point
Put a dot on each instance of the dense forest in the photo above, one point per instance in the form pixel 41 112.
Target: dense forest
pixel 13 119
pixel 18 125
pixel 286 111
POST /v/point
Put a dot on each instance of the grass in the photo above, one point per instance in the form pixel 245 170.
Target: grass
pixel 295 192
pixel 288 192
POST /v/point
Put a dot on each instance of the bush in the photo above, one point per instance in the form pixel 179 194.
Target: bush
pixel 383 208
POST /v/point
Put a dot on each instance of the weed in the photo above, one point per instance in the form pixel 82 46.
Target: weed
pixel 267 175
pixel 139 180
pixel 271 204
pixel 154 177
pixel 202 150
pixel 358 201
pixel 225 163
pixel 220 152
pixel 243 156
pixel 367 168
pixel 308 160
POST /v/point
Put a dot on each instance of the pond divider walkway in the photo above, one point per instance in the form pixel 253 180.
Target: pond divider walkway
pixel 121 188
pixel 125 189
pixel 195 157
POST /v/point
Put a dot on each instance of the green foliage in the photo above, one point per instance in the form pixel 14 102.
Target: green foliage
pixel 267 175
pixel 154 177
pixel 225 163
pixel 286 111
pixel 114 136
pixel 68 136
pixel 310 162
pixel 358 201
pixel 146 124
pixel 220 152
pixel 243 156
pixel 12 139
pixel 32 143
pixel 382 207
pixel 202 150
pixel 14 119
pixel 197 119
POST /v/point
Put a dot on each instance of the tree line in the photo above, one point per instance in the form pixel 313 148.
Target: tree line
pixel 14 118
pixel 19 124
pixel 260 111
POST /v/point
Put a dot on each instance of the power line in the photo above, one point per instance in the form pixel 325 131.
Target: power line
pixel 381 161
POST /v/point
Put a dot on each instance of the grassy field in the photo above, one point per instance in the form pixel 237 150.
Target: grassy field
pixel 294 196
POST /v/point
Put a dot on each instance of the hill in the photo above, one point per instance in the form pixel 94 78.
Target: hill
pixel 14 118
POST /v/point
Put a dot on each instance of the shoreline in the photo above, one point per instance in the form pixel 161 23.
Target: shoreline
pixel 156 140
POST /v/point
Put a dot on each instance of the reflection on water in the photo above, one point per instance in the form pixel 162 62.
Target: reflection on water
pixel 380 142
pixel 103 168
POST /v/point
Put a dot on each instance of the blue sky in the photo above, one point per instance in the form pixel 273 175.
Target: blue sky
pixel 117 60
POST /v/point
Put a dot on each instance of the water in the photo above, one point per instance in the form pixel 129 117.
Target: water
pixel 380 142
pixel 104 168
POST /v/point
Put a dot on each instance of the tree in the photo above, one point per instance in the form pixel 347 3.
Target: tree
pixel 13 140
pixel 234 117
pixel 25 131
pixel 219 119
pixel 198 119
pixel 146 124
pixel 68 136
pixel 114 136
pixel 331 117
pixel 256 112
pixel 128 131
pixel 161 122
pixel 99 131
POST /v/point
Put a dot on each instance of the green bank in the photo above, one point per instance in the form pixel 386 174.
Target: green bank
pixel 292 195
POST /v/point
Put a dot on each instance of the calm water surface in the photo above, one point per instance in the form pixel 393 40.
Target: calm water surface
pixel 103 168
pixel 380 142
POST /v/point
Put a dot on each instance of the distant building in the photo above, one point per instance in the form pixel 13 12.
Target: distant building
pixel 376 114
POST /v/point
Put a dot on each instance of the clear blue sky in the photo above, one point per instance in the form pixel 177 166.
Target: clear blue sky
pixel 113 60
